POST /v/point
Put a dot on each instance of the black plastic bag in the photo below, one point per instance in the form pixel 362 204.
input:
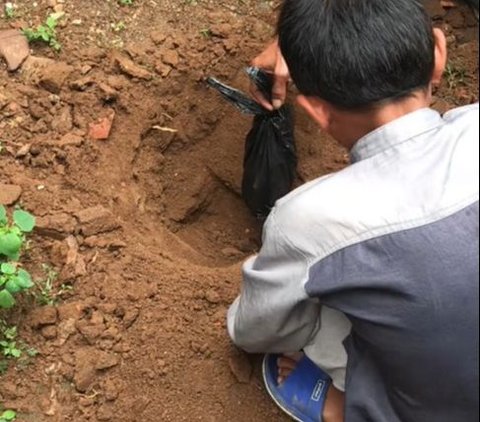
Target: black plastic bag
pixel 270 159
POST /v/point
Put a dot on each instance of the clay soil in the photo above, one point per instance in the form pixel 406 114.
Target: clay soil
pixel 147 229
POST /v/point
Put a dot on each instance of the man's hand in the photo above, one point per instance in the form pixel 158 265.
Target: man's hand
pixel 272 61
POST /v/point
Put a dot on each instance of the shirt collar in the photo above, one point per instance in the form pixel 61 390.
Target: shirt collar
pixel 396 132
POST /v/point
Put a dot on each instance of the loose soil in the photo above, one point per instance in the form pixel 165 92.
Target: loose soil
pixel 148 227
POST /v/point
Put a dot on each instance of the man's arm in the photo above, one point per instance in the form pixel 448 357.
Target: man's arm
pixel 273 313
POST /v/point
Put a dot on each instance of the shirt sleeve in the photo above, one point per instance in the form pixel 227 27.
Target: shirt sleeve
pixel 273 313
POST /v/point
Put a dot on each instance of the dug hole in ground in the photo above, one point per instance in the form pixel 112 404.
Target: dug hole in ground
pixel 133 168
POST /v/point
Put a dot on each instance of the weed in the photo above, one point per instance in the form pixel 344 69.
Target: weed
pixel 8 343
pixel 455 75
pixel 13 279
pixel 11 348
pixel 8 416
pixel 125 2
pixel 207 32
pixel 118 27
pixel 9 10
pixel 45 33
pixel 47 293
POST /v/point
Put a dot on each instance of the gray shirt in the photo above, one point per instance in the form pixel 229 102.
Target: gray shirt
pixel 391 242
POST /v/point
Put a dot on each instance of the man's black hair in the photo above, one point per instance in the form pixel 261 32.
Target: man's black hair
pixel 356 53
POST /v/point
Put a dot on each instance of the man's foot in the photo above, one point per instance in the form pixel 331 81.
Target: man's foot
pixel 333 410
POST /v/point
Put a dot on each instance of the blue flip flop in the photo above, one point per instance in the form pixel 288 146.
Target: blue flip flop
pixel 302 395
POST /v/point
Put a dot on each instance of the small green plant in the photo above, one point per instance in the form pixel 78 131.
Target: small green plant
pixel 207 32
pixel 11 348
pixel 125 2
pixel 8 416
pixel 13 279
pixel 9 10
pixel 8 343
pixel 455 75
pixel 47 293
pixel 118 27
pixel 46 33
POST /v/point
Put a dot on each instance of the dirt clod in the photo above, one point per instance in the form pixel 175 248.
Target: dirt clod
pixel 100 129
pixel 13 48
pixel 97 220
pixel 9 194
pixel 56 226
pixel 128 67
pixel 49 332
pixel 106 360
pixel 84 377
pixel 46 315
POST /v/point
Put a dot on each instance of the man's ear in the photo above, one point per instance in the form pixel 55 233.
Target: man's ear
pixel 440 56
pixel 318 110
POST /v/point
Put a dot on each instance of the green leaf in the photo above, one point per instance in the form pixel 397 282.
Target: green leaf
pixel 9 415
pixel 8 268
pixel 6 299
pixel 24 220
pixel 51 22
pixel 10 244
pixel 13 286
pixel 3 215
pixel 16 353
pixel 24 279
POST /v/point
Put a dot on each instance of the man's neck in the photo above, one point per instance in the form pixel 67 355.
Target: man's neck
pixel 355 125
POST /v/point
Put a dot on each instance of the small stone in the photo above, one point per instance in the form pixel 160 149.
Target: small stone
pixel 128 67
pixel 100 130
pixel 13 48
pixel 46 315
pixel 23 151
pixel 9 194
